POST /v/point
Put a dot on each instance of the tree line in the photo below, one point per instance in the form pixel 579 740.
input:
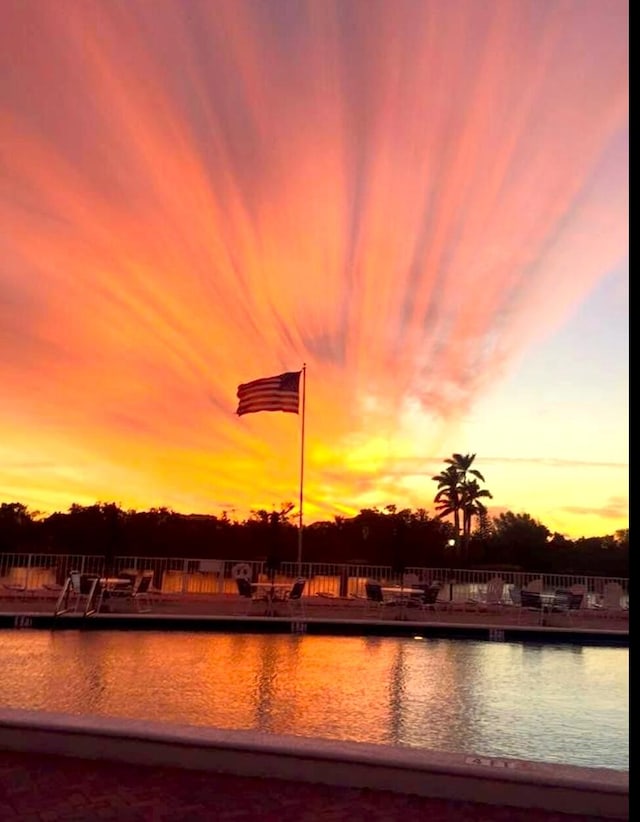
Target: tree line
pixel 460 534
pixel 394 536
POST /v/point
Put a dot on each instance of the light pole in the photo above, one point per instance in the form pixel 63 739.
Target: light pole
pixel 451 543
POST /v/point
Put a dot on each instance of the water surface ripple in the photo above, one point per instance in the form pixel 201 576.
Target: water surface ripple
pixel 567 704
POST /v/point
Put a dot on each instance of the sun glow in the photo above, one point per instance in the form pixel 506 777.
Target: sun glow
pixel 194 195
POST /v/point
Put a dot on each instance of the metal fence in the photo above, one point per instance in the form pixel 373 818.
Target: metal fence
pixel 200 577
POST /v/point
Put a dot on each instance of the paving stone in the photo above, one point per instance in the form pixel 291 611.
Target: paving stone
pixel 67 790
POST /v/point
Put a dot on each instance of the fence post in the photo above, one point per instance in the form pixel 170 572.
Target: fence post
pixel 185 576
pixel 27 572
pixel 344 581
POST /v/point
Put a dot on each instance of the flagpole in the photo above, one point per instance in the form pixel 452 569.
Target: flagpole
pixel 300 514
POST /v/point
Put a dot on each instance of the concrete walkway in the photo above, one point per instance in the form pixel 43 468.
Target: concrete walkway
pixel 46 789
pixel 321 609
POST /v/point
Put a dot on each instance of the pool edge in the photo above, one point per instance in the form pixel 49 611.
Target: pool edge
pixel 494 781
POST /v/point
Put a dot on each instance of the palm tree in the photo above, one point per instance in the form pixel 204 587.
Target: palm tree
pixel 459 492
pixel 471 494
pixel 447 499
pixel 462 464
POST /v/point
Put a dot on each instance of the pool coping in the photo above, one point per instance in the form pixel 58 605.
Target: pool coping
pixel 493 780
pixel 318 625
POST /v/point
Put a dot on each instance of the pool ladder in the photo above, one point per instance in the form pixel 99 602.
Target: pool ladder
pixel 79 585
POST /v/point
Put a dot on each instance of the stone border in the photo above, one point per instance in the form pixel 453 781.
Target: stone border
pixel 319 625
pixel 560 788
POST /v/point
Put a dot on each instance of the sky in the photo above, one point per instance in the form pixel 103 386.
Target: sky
pixel 425 202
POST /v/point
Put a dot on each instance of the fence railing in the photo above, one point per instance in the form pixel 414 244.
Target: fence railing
pixel 196 576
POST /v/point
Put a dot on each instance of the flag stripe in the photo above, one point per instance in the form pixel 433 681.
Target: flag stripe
pixel 279 393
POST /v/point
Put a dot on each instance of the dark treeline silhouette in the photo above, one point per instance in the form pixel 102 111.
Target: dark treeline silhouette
pixel 388 536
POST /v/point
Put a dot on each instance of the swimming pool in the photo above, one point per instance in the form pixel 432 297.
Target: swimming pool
pixel 566 704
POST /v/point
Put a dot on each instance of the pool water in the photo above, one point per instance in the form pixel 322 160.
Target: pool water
pixel 552 703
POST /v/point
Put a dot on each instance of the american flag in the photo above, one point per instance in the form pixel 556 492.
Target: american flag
pixel 281 393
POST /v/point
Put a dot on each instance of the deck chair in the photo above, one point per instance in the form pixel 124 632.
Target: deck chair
pixel 611 603
pixel 491 597
pixel 248 598
pixel 567 602
pixel 376 603
pixel 427 602
pixel 531 602
pixel 138 595
pixel 141 592
pixel 294 600
pixel 581 589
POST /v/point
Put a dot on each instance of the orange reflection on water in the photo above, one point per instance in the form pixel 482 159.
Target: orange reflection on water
pixel 497 699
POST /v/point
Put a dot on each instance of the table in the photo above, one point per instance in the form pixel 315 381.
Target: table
pixel 403 595
pixel 273 593
pixel 115 583
pixel 541 601
pixel 398 589
pixel 112 585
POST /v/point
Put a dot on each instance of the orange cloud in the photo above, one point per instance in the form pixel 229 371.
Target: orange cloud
pixel 195 195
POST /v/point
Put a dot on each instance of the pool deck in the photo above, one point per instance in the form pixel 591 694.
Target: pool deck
pixel 329 617
pixel 40 788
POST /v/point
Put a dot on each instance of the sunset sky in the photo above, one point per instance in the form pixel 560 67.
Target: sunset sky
pixel 425 201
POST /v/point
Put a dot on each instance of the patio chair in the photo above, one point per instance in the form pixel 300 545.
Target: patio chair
pixel 293 598
pixel 611 603
pixel 531 601
pixel 376 602
pixel 581 589
pixel 248 598
pixel 138 593
pixel 566 602
pixel 491 597
pixel 427 602
pixel 514 602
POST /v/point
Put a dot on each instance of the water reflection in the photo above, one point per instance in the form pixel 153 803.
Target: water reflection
pixel 553 703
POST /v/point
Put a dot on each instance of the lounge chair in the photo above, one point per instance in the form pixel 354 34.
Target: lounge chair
pixel 14 590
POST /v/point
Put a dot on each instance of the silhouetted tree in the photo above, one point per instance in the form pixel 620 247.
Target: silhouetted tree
pixel 389 536
pixel 471 496
pixel 17 528
pixel 522 540
pixel 459 494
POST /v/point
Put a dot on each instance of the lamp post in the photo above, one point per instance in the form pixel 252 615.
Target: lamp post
pixel 451 543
